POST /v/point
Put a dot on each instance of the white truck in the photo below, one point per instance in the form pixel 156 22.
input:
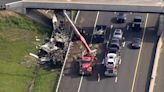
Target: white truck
pixel 111 63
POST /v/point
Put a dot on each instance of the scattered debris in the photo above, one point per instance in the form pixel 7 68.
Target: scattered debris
pixel 31 54
pixel 54 49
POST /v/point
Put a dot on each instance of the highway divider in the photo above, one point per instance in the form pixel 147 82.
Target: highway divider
pixel 156 60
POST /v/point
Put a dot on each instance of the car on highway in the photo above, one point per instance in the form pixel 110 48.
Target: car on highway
pixel 137 22
pixel 118 34
pixel 114 46
pixel 121 18
pixel 99 33
pixel 111 64
pixel 115 40
pixel 136 43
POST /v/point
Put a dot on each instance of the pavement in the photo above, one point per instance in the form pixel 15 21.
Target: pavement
pixel 70 80
pixel 147 55
pixel 159 81
pixel 135 69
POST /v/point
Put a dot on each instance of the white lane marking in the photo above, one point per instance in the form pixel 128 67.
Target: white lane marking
pixel 96 19
pixel 139 55
pixel 103 62
pixel 111 26
pixel 77 15
pixel 81 80
pixel 95 26
pixel 116 79
pixel 98 75
pixel 70 44
pixel 61 74
pixel 127 28
pixel 123 44
pixel 120 61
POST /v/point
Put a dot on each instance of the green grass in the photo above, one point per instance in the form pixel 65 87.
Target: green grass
pixel 23 23
pixel 46 81
pixel 17 40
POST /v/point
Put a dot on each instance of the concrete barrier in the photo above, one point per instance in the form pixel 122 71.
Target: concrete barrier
pixel 156 60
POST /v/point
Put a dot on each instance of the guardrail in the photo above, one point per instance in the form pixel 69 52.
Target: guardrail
pixel 156 60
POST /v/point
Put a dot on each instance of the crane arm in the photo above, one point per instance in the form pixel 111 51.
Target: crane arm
pixel 78 34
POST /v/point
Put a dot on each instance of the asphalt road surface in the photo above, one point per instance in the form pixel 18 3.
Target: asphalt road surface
pixel 70 80
pixel 134 70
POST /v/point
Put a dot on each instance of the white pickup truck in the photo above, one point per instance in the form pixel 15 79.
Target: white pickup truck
pixel 111 63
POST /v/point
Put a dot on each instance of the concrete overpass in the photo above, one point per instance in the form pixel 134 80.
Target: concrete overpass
pixel 151 6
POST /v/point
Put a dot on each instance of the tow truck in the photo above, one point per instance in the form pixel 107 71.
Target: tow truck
pixel 86 61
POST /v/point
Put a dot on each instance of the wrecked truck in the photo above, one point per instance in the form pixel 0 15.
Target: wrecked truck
pixel 54 50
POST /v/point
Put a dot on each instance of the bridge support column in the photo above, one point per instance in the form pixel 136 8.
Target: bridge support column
pixel 16 6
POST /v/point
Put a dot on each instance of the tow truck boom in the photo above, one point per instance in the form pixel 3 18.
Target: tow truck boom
pixel 88 50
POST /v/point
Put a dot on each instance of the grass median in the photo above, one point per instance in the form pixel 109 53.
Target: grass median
pixel 18 39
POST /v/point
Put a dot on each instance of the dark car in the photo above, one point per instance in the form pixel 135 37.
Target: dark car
pixel 137 22
pixel 99 33
pixel 114 46
pixel 121 18
pixel 113 50
pixel 136 43
pixel 115 40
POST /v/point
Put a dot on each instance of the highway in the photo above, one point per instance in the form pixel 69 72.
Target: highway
pixel 134 70
pixel 147 55
pixel 70 81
